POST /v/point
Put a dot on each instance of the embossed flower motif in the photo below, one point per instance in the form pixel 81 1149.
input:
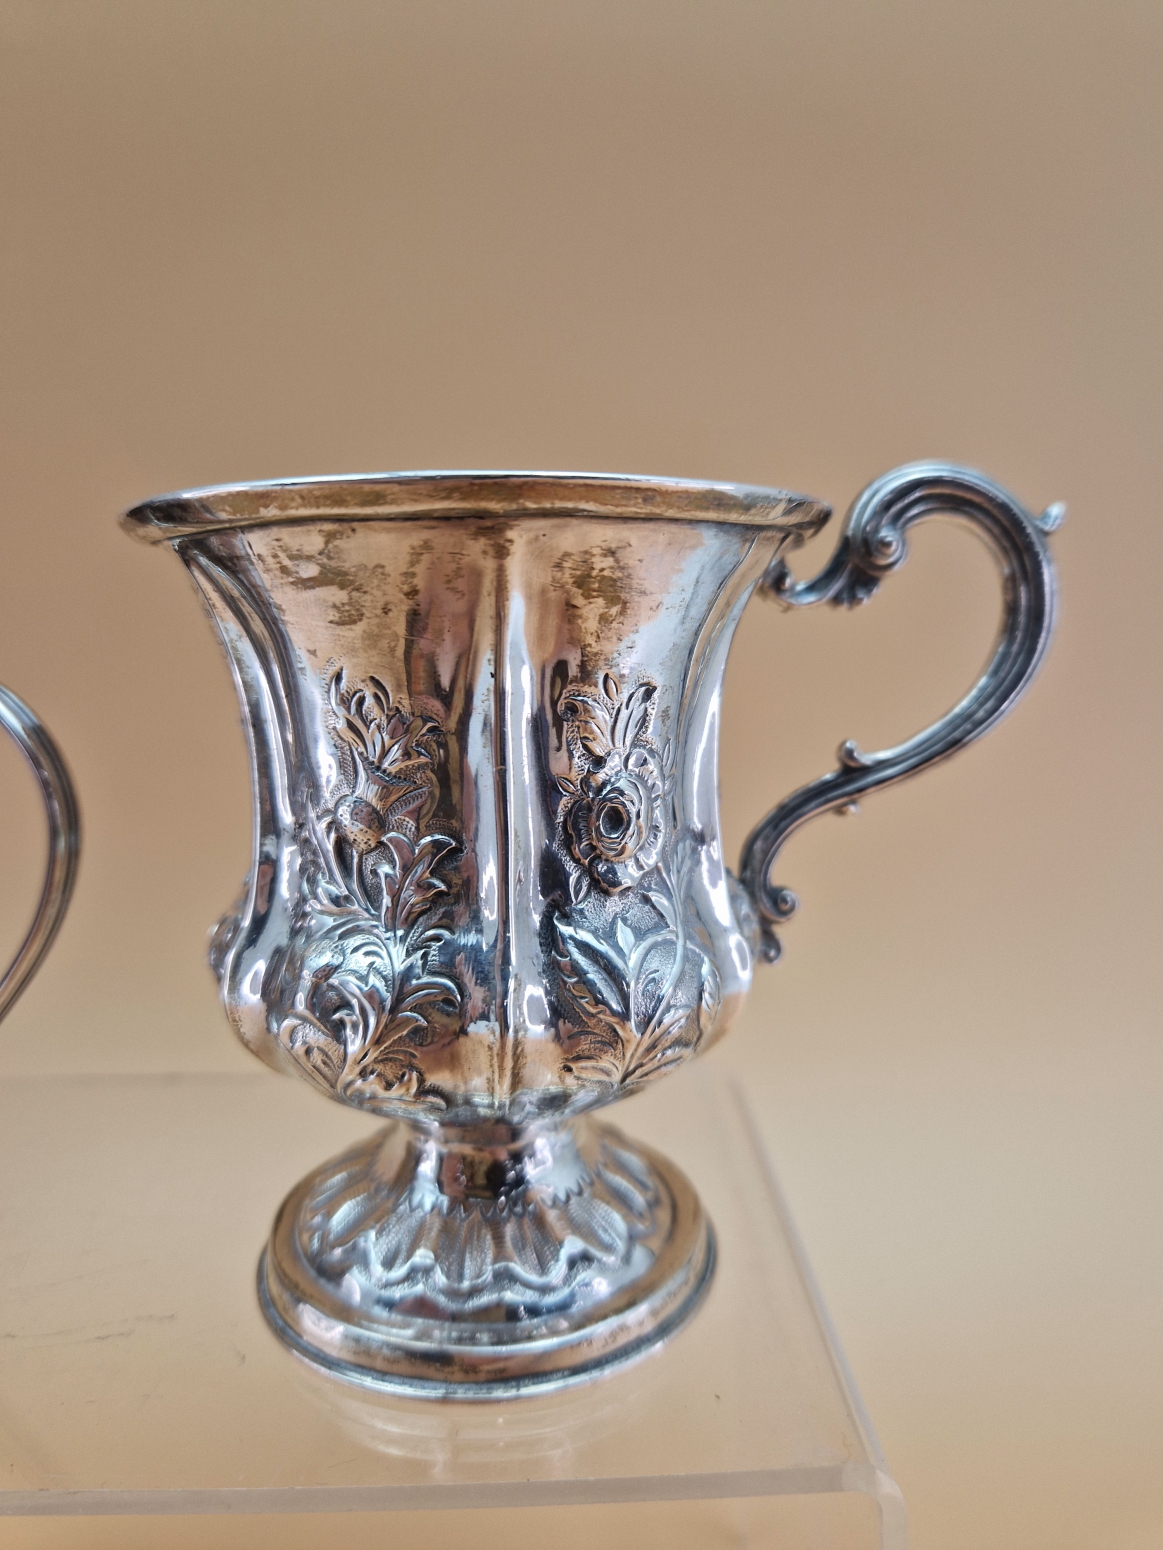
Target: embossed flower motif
pixel 615 825
pixel 393 755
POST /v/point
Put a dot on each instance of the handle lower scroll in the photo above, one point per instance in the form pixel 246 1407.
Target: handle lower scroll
pixel 873 544
pixel 64 842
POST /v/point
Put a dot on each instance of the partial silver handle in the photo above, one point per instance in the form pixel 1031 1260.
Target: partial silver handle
pixel 873 544
pixel 64 842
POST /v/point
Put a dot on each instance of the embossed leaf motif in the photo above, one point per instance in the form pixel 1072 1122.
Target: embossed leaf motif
pixel 408 877
pixel 372 1232
pixel 632 718
pixel 663 904
pixel 592 723
pixel 370 926
pixel 605 724
pixel 597 975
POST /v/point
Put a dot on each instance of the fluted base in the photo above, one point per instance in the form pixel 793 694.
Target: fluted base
pixel 485 1263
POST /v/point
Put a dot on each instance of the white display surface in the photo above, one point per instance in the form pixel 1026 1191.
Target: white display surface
pixel 137 1375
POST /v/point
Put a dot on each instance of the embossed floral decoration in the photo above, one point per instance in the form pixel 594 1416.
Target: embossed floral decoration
pixel 613 815
pixel 366 988
pixel 640 987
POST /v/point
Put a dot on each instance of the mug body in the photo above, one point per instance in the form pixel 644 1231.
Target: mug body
pixel 488 883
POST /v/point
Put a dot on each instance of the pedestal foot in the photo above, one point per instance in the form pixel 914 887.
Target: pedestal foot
pixel 486 1263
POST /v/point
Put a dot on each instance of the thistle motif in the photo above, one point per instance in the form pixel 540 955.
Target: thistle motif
pixel 392 758
pixel 629 952
pixel 366 989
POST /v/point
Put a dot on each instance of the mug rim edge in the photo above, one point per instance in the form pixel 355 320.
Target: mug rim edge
pixel 485 494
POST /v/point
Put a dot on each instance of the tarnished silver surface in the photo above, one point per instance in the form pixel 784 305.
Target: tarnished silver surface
pixel 489 893
pixel 64 841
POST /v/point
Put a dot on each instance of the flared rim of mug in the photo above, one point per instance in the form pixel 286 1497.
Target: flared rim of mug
pixel 484 494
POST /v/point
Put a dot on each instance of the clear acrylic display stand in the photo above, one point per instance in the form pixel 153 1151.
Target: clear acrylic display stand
pixel 138 1377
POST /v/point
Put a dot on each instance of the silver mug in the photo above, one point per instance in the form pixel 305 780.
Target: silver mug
pixel 489 895
pixel 48 765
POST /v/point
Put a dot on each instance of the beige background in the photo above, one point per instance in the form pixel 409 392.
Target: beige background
pixel 782 243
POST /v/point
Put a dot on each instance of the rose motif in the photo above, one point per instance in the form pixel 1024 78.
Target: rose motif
pixel 613 820
pixel 615 826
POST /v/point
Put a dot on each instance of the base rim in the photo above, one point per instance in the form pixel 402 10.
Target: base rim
pixel 512 1388
pixel 398 1355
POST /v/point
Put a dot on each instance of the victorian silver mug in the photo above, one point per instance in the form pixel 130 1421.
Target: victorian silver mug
pixel 488 894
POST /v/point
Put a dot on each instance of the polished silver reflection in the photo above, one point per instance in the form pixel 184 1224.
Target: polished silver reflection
pixel 489 893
